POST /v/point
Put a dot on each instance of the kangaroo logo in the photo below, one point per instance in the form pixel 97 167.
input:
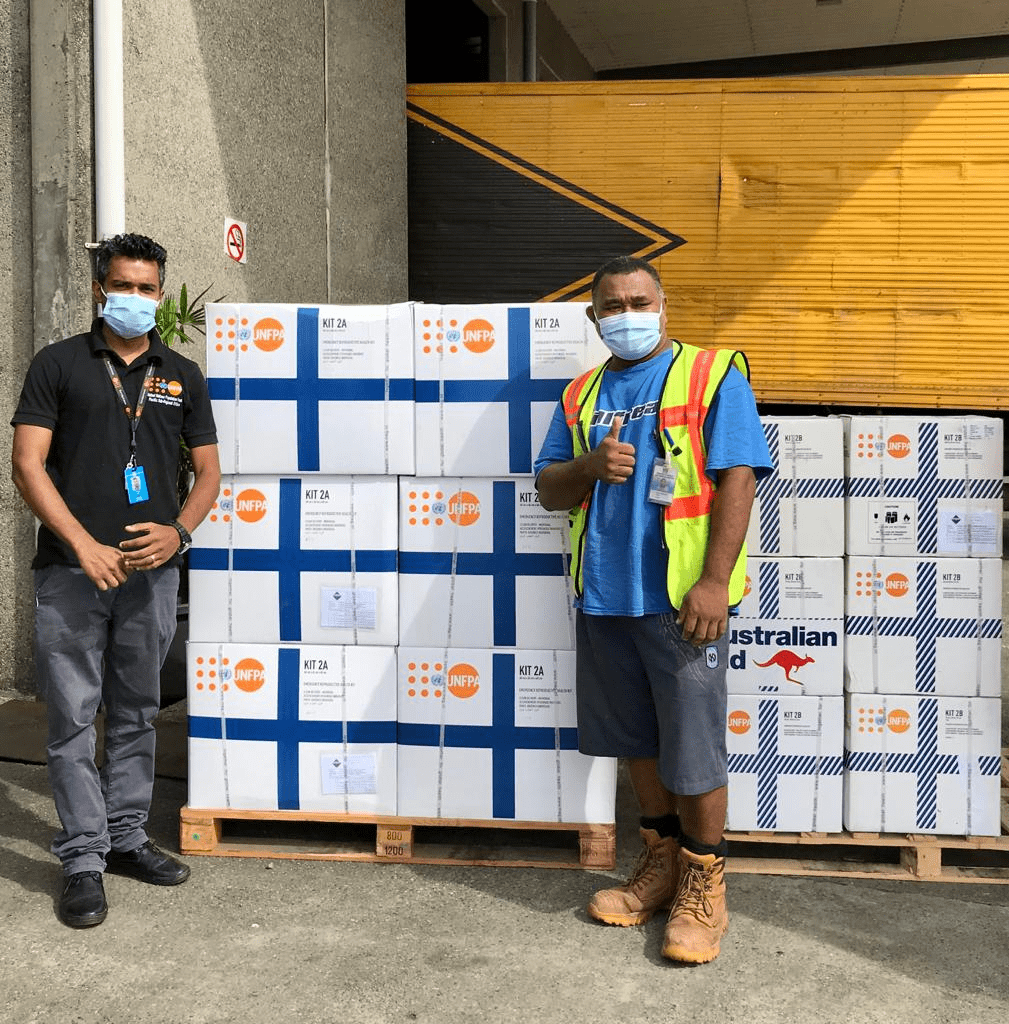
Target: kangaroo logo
pixel 788 662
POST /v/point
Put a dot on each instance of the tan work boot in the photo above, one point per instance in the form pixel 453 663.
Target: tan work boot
pixel 698 919
pixel 652 885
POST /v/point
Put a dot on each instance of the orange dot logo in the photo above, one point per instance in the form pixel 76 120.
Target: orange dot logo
pixel 898 720
pixel 897 584
pixel 174 388
pixel 463 681
pixel 478 335
pixel 898 446
pixel 747 586
pixel 249 675
pixel 268 334
pixel 464 508
pixel 250 505
pixel 739 722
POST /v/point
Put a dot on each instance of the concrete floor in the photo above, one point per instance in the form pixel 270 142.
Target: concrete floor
pixel 262 941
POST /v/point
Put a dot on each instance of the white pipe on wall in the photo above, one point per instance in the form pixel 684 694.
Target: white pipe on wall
pixel 110 146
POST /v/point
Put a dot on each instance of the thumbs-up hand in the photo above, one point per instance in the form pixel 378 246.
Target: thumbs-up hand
pixel 613 460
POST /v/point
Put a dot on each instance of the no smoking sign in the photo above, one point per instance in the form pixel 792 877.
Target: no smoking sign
pixel 235 240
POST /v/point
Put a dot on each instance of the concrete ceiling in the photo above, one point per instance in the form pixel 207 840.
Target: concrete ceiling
pixel 648 33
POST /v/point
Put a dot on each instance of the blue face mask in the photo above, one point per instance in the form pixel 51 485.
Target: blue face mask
pixel 630 336
pixel 129 316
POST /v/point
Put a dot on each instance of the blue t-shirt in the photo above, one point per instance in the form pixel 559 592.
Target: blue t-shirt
pixel 624 567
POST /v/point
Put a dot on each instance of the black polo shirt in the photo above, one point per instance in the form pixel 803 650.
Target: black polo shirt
pixel 68 390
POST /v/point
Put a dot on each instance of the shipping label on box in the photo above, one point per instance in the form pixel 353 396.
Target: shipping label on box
pixel 491 735
pixel 789 635
pixel 482 564
pixel 785 763
pixel 930 486
pixel 922 764
pixel 292 728
pixel 924 626
pixel 799 507
pixel 301 559
pixel 299 389
pixel 488 379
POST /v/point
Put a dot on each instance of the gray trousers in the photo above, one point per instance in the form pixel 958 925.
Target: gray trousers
pixel 95 646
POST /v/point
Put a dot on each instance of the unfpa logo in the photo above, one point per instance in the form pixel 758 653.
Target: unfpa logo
pixel 248 675
pixel 440 336
pixel 898 446
pixel 432 508
pixel 268 334
pixel 231 333
pixel 224 508
pixel 250 505
pixel 463 681
pixel 898 585
pixel 167 388
pixel 739 722
pixel 875 720
pixel 425 679
pixel 898 720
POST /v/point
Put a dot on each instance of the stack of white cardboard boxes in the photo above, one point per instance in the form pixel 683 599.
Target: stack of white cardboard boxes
pixel 379 614
pixel 876 676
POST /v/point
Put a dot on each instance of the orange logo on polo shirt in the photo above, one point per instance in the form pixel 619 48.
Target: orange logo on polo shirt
pixel 268 334
pixel 739 722
pixel 898 720
pixel 898 585
pixel 164 391
pixel 898 446
pixel 463 681
pixel 250 505
pixel 249 675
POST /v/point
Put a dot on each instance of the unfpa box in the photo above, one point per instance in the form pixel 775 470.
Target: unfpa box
pixel 924 485
pixel 488 378
pixel 785 763
pixel 292 727
pixel 312 389
pixel 491 735
pixel 924 626
pixel 799 507
pixel 482 564
pixel 301 559
pixel 789 635
pixel 922 764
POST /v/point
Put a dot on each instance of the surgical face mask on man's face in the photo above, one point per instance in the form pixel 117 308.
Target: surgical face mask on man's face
pixel 630 336
pixel 128 315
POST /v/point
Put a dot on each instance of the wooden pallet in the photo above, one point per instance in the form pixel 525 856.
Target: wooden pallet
pixel 922 858
pixel 327 835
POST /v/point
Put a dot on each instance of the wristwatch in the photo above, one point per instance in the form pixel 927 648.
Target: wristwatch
pixel 185 541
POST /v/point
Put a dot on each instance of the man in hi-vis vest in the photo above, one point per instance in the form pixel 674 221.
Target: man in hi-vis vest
pixel 656 454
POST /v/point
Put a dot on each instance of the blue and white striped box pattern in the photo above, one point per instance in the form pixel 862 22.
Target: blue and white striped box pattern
pixel 922 764
pixel 924 485
pixel 785 763
pixel 303 559
pixel 799 507
pixel 929 626
pixel 292 727
pixel 491 735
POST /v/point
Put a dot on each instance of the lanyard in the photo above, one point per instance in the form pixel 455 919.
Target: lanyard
pixel 135 415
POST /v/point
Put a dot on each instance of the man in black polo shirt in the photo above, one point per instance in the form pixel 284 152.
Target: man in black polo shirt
pixel 96 458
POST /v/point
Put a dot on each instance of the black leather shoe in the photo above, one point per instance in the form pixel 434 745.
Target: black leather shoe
pixel 148 864
pixel 83 904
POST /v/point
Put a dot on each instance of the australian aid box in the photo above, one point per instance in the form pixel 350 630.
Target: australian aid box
pixel 491 735
pixel 488 378
pixel 915 763
pixel 300 559
pixel 312 389
pixel 785 763
pixel 919 625
pixel 292 727
pixel 789 635
pixel 924 485
pixel 482 564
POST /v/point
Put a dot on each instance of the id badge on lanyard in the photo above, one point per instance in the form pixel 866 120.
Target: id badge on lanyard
pixel 134 479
